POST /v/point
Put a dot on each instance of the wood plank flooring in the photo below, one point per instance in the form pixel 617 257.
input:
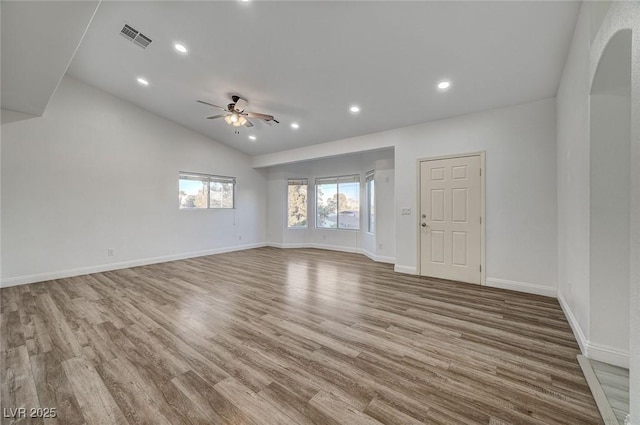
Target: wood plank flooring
pixel 270 336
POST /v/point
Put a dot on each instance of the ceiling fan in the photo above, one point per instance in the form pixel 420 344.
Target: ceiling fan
pixel 235 113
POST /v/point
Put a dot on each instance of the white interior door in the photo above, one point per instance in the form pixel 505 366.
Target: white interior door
pixel 450 225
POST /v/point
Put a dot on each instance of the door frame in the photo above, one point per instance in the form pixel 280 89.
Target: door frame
pixel 419 161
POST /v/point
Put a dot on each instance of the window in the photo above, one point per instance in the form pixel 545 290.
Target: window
pixel 297 204
pixel 371 202
pixel 205 191
pixel 338 203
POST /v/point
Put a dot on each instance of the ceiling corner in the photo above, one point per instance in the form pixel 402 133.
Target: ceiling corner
pixel 38 42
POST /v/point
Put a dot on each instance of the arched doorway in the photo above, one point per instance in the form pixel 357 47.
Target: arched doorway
pixel 610 109
pixel 610 200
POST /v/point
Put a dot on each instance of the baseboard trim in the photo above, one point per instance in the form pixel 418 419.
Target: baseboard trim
pixel 296 245
pixel 606 354
pixel 378 258
pixel 590 349
pixel 287 245
pixel 398 268
pixel 529 288
pixel 369 254
pixel 339 248
pixel 61 274
pixel 573 322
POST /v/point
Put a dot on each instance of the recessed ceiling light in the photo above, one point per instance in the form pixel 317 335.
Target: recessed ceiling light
pixel 354 109
pixel 444 85
pixel 252 137
pixel 295 125
pixel 180 48
pixel 142 81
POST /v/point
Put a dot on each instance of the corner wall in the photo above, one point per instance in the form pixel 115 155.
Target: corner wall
pixel 379 246
pixel 520 174
pixel 96 172
pixel 573 180
pixel 595 27
pixel 520 146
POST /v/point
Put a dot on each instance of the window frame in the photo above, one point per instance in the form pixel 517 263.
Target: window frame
pixel 369 181
pixel 208 178
pixel 289 183
pixel 349 178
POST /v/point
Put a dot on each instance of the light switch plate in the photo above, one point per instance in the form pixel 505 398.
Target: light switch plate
pixel 406 211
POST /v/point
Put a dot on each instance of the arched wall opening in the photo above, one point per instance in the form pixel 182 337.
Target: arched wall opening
pixel 610 193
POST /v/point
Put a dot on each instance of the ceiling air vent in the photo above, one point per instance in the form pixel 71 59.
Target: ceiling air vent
pixel 135 36
pixel 128 32
pixel 142 40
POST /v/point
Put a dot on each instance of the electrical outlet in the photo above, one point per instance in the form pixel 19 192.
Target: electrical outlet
pixel 110 252
pixel 379 246
pixel 239 237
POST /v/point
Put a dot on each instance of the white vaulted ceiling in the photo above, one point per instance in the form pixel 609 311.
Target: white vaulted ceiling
pixel 39 39
pixel 308 62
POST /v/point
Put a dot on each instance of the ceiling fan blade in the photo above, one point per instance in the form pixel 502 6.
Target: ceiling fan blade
pixel 248 123
pixel 217 116
pixel 241 104
pixel 211 104
pixel 260 116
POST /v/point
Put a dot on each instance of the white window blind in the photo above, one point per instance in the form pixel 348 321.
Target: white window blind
pixel 206 177
pixel 340 179
pixel 297 182
pixel 369 176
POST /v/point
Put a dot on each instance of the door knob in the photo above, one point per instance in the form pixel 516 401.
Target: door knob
pixel 424 224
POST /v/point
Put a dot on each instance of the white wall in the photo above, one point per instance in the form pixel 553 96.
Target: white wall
pixel 593 32
pixel 96 172
pixel 384 240
pixel 609 221
pixel 573 179
pixel 347 240
pixel 520 178
pixel 520 189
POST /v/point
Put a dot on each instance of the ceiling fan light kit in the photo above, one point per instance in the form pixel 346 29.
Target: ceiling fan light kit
pixel 235 120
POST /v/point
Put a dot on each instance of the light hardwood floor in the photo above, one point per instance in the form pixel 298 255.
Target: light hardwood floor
pixel 270 336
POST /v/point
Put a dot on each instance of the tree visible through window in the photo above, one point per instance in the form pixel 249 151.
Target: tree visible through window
pixel 338 202
pixel 205 191
pixel 297 203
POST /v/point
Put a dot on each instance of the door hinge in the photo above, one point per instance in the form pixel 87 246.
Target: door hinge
pixel 480 267
pixel 480 220
pixel 481 171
